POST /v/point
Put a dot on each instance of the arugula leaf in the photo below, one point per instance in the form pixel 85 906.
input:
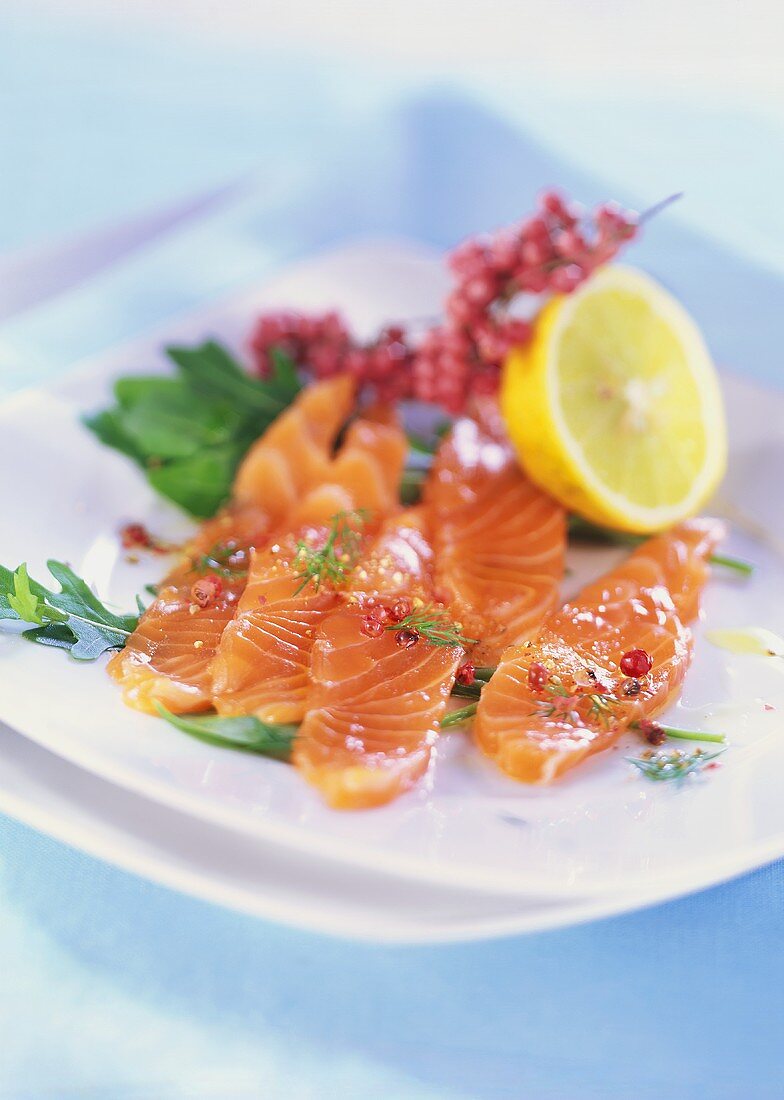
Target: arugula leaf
pixel 29 605
pixel 8 583
pixel 190 432
pixel 58 635
pixel 246 733
pixel 73 618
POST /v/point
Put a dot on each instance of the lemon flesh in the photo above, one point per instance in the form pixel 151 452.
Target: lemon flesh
pixel 615 408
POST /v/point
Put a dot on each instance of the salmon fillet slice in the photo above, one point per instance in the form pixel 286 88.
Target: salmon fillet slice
pixel 535 734
pixel 167 659
pixel 499 540
pixel 263 660
pixel 374 706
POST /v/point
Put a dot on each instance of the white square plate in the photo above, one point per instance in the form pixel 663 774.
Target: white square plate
pixel 259 877
pixel 602 830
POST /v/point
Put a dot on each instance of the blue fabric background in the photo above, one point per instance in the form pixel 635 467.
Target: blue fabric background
pixel 114 987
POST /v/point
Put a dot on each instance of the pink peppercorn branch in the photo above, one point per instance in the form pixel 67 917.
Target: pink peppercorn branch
pixel 553 251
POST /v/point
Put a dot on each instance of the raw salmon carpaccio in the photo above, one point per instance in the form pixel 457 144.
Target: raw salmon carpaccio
pixel 374 706
pixel 167 659
pixel 263 660
pixel 644 604
pixel 499 541
pixel 489 544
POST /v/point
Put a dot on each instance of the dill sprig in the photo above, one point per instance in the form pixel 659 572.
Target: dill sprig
pixel 332 562
pixel 673 764
pixel 218 559
pixel 433 625
pixel 597 706
pixel 600 707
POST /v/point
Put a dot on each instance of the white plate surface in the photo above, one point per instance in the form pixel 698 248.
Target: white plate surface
pixel 260 878
pixel 602 830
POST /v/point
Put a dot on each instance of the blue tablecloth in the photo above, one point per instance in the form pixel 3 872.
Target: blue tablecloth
pixel 114 987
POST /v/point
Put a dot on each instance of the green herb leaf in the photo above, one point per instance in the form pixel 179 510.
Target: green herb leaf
pixel 646 727
pixel 190 432
pixel 109 427
pixel 457 717
pixel 433 625
pixel 29 605
pixel 672 764
pixel 211 371
pixel 8 589
pixel 181 426
pixel 73 618
pixel 283 381
pixel 467 691
pixel 57 635
pixel 201 482
pixel 139 386
pixel 226 559
pixel 246 733
pixel 428 445
pixel 411 485
pixel 333 561
pixel 420 445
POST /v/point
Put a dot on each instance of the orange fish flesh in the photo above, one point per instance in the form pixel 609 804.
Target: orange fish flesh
pixel 263 660
pixel 535 730
pixel 499 541
pixel 375 705
pixel 168 657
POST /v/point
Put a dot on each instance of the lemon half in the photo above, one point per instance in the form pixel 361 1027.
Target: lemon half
pixel 615 407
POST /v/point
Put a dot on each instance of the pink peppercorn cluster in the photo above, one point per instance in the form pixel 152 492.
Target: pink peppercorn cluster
pixel 324 344
pixel 380 617
pixel 553 251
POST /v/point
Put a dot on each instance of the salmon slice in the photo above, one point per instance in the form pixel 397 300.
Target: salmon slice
pixel 374 706
pixel 167 659
pixel 499 541
pixel 537 734
pixel 263 661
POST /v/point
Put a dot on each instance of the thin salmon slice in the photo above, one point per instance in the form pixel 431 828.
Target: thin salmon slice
pixel 263 661
pixel 499 541
pixel 168 657
pixel 374 706
pixel 536 734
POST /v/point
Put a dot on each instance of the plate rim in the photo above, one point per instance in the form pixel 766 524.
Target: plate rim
pixel 157 866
